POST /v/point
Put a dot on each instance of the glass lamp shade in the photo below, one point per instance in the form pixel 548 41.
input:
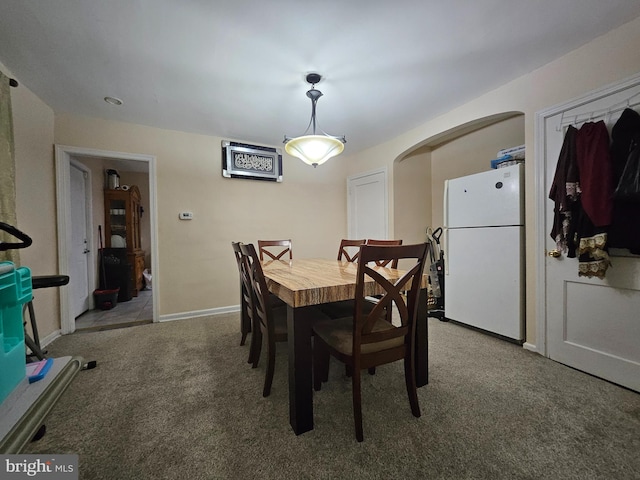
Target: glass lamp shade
pixel 314 149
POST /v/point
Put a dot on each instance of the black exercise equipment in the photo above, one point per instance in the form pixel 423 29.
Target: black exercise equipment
pixel 44 281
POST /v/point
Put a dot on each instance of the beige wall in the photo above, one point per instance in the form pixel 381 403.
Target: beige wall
pixel 197 270
pixel 469 154
pixel 412 202
pixel 611 57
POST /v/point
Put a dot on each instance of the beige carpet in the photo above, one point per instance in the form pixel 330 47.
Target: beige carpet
pixel 177 400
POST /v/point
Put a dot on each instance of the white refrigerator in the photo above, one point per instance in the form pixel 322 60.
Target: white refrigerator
pixel 484 251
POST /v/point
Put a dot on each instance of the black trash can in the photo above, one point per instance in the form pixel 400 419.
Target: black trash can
pixel 118 272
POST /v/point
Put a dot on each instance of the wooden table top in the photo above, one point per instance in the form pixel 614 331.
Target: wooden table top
pixel 303 282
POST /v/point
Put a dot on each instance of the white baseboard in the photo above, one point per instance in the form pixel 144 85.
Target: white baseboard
pixel 50 338
pixel 163 318
pixel 530 346
pixel 199 313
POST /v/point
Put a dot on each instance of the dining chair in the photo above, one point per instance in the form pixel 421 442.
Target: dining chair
pixel 343 308
pixel 368 339
pixel 349 255
pixel 245 299
pixel 248 299
pixel 269 322
pixel 245 314
pixel 265 249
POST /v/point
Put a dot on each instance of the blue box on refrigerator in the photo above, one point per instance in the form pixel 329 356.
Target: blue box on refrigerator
pixel 15 291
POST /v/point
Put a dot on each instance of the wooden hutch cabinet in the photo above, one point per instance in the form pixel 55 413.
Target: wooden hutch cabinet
pixel 122 212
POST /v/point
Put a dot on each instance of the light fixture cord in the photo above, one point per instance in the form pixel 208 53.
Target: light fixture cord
pixel 315 95
pixel 313 113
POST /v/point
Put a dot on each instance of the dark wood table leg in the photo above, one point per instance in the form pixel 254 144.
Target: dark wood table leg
pixel 300 370
pixel 422 343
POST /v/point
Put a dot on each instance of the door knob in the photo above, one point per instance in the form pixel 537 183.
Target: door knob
pixel 554 253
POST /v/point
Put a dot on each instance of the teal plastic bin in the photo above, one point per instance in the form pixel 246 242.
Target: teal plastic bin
pixel 15 291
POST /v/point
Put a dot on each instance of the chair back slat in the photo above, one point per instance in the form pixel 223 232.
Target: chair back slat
pixel 382 243
pixel 258 285
pixel 245 281
pixel 265 248
pixel 349 255
pixel 246 312
pixel 238 255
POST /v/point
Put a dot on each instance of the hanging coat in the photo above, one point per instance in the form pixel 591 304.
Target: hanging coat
pixel 594 165
pixel 624 231
pixel 564 192
pixel 596 199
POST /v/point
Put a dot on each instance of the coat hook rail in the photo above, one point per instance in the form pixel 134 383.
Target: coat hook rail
pixel 566 120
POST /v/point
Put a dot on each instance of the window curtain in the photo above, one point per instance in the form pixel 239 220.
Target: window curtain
pixel 7 170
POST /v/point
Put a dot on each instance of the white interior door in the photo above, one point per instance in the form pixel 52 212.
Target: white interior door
pixel 79 251
pixel 368 205
pixel 591 324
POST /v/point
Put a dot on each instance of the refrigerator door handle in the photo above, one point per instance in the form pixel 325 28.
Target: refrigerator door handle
pixel 446 249
pixel 446 204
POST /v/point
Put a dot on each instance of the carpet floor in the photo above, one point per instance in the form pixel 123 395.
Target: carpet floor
pixel 177 400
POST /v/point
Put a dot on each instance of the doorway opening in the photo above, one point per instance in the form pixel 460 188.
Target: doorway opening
pixel 135 169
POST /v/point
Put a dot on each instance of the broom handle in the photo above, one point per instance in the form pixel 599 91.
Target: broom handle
pixel 104 273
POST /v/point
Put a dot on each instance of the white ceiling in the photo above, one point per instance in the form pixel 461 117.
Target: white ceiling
pixel 236 68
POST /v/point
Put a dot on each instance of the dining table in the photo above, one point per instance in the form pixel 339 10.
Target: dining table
pixel 306 283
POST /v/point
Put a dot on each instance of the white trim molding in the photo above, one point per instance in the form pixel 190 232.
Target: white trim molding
pixel 63 157
pixel 199 313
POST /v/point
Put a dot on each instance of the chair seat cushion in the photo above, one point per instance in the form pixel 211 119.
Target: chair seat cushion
pixel 344 308
pixel 338 334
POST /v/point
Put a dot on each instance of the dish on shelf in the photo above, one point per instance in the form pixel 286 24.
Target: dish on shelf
pixel 118 242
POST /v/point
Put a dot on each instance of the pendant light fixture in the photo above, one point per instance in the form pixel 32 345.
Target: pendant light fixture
pixel 314 149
